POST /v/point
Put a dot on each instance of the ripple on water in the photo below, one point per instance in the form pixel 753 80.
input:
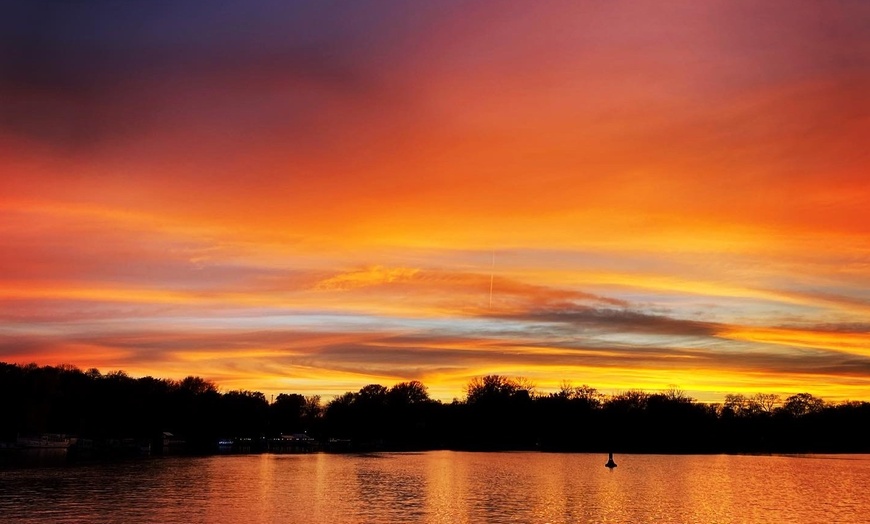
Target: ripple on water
pixel 444 487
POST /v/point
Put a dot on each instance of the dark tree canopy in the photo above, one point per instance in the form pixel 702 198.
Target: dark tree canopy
pixel 499 412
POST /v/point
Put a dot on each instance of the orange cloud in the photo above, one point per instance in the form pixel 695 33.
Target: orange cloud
pixel 670 195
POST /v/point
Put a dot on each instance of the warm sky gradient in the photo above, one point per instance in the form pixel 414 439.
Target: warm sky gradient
pixel 314 196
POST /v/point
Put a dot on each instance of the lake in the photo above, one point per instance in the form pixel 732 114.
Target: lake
pixel 445 486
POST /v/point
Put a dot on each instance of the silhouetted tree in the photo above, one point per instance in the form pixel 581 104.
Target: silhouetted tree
pixel 408 393
pixel 243 414
pixel 495 388
pixel 737 404
pixel 766 402
pixel 410 415
pixel 197 386
pixel 569 419
pixel 803 404
pixel 287 413
pixel 312 415
pixel 499 413
pixel 632 400
pixel 360 416
pixel 675 394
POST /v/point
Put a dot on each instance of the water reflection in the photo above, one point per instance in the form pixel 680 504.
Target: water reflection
pixel 395 490
pixel 444 487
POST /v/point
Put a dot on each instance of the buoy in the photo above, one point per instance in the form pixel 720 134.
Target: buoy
pixel 610 464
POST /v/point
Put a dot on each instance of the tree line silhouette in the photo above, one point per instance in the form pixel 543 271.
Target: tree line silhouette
pixel 497 413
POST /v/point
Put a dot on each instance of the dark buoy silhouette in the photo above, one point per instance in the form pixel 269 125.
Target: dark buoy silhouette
pixel 610 464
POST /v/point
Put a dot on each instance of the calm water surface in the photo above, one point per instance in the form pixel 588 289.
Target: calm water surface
pixel 446 487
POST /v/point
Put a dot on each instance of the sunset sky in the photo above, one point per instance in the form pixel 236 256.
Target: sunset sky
pixel 312 196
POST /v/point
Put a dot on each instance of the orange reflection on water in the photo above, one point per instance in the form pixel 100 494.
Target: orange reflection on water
pixel 446 487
